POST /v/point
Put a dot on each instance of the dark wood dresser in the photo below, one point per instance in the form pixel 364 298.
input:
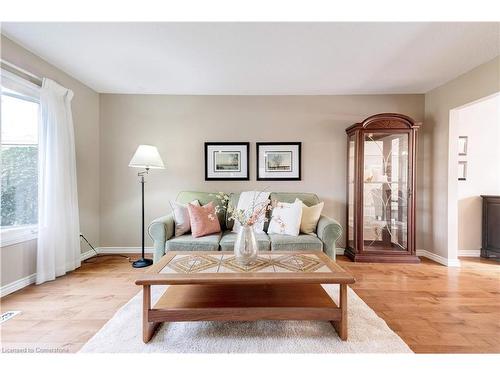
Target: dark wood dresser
pixel 491 226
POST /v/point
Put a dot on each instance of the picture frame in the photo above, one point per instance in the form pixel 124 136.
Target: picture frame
pixel 462 145
pixel 462 170
pixel 279 161
pixel 227 161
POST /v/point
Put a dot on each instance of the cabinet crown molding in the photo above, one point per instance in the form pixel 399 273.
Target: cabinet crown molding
pixel 385 121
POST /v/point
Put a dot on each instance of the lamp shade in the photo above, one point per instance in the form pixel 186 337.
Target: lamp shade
pixel 147 156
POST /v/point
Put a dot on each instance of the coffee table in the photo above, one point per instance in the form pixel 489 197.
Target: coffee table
pixel 211 285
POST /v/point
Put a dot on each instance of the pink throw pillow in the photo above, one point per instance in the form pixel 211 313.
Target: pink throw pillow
pixel 203 220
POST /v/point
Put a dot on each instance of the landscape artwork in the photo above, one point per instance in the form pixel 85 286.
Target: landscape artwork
pixel 227 160
pixel 278 161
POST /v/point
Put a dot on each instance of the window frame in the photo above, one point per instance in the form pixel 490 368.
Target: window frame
pixel 18 234
pixel 30 92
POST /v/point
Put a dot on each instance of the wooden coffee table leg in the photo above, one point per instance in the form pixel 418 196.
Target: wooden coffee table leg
pixel 341 325
pixel 148 328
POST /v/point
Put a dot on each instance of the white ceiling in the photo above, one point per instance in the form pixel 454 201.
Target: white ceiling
pixel 260 58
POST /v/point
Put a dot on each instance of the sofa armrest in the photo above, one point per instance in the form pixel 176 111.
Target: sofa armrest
pixel 329 231
pixel 160 230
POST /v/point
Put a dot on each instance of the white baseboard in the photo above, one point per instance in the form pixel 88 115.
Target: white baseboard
pixel 469 253
pixel 16 285
pixel 339 251
pixel 86 255
pixel 438 258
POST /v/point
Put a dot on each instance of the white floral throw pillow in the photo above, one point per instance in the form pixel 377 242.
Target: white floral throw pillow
pixel 286 218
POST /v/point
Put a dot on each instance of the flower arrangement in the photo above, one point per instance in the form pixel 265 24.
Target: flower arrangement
pixel 254 214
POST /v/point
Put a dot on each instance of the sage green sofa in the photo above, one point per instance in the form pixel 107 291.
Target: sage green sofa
pixel 161 230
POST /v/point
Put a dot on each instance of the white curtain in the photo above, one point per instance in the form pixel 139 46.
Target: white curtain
pixel 58 224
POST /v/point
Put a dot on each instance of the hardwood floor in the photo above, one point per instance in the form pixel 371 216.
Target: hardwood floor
pixel 433 308
pixel 66 313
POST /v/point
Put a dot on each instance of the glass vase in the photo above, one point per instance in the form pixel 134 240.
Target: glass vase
pixel 245 247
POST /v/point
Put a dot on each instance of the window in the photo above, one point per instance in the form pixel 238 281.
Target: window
pixel 18 159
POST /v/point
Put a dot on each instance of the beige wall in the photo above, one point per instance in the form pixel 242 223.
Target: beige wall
pixel 179 125
pixel 435 211
pixel 480 122
pixel 18 261
pixel 109 191
pixel 85 106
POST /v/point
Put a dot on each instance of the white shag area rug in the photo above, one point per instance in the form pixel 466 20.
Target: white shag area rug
pixel 367 333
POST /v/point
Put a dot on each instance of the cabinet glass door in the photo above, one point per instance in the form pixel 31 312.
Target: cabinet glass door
pixel 350 190
pixel 385 191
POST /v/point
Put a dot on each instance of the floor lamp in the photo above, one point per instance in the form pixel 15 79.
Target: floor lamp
pixel 145 157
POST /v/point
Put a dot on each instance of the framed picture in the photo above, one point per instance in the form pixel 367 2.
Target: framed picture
pixel 462 145
pixel 227 161
pixel 278 161
pixel 462 170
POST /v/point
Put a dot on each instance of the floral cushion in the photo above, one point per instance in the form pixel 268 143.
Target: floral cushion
pixel 286 218
pixel 203 220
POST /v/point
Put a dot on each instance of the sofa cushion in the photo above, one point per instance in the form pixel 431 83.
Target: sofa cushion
pixel 187 242
pixel 204 198
pixel 229 238
pixel 203 220
pixel 281 242
pixel 286 218
pixel 181 217
pixel 310 218
pixel 309 199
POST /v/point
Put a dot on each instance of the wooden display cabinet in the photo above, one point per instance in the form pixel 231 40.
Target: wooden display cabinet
pixel 381 158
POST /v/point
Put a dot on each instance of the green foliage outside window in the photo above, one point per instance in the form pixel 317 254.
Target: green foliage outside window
pixel 19 188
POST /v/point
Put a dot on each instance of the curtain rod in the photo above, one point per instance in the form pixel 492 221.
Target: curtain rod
pixel 23 73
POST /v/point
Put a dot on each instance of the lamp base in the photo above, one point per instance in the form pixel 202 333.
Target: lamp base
pixel 142 263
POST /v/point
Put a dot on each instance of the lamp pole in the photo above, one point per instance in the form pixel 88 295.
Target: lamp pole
pixel 145 157
pixel 143 262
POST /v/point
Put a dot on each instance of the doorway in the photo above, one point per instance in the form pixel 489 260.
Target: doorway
pixel 473 170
